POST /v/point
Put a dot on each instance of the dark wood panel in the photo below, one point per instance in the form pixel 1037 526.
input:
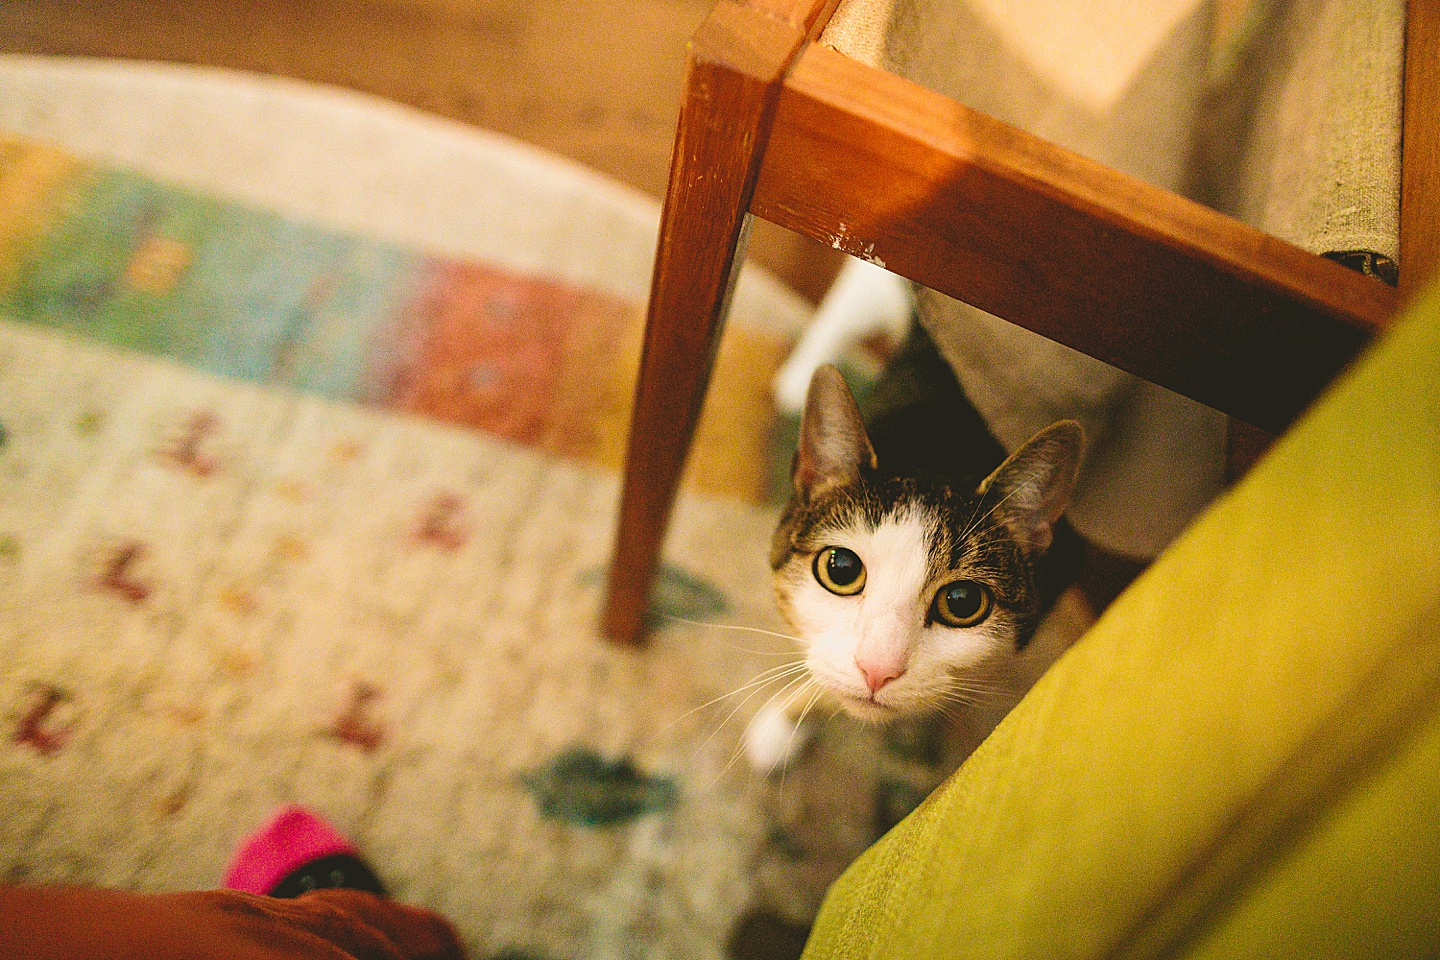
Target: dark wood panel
pixel 1126 272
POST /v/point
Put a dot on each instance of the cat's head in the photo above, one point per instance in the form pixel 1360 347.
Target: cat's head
pixel 902 586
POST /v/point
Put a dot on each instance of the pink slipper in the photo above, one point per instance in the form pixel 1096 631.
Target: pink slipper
pixel 299 847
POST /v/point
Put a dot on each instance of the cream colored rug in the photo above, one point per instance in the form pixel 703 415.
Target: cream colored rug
pixel 218 596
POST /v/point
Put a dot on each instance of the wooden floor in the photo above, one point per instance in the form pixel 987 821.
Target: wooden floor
pixel 595 80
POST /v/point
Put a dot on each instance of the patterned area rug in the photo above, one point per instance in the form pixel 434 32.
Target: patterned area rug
pixel 126 259
pixel 297 506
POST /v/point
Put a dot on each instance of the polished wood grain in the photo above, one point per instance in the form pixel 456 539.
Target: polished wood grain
pixel 1420 164
pixel 738 60
pixel 1123 271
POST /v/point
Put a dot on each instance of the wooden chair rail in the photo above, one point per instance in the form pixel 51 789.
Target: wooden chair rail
pixel 1126 272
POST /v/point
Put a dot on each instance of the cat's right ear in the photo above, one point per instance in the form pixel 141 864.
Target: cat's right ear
pixel 834 446
pixel 1032 488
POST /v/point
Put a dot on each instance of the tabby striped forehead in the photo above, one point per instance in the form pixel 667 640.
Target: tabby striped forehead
pixel 960 534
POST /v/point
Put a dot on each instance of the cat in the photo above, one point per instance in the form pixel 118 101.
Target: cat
pixel 914 560
pixel 864 302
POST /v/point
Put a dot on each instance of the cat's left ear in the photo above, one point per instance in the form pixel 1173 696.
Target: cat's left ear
pixel 834 447
pixel 1032 489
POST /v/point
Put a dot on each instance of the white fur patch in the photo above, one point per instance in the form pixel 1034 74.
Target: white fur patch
pixel 772 739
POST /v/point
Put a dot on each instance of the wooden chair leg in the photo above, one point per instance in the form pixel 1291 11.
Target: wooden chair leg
pixel 1420 155
pixel 737 62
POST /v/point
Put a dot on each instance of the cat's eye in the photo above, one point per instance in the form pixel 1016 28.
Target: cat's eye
pixel 963 603
pixel 840 571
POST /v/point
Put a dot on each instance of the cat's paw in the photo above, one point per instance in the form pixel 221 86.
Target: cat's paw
pixel 773 739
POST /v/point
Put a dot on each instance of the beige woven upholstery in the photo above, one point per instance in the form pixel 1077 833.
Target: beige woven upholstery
pixel 1096 105
pixel 1316 100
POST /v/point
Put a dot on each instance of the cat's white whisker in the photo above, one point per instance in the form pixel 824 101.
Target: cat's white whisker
pixel 745 629
pixel 777 670
pixel 958 700
pixel 819 692
pixel 951 713
pixel 740 747
pixel 973 684
pixel 971 687
pixel 759 682
pixel 968 697
pixel 790 695
pixel 765 679
pixel 814 698
pixel 801 678
pixel 761 678
pixel 803 689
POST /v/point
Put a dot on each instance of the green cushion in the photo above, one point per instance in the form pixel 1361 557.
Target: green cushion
pixel 1242 758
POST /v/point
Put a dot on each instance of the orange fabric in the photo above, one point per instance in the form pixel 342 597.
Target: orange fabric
pixel 72 923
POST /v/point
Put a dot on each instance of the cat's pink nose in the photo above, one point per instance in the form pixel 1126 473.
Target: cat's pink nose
pixel 879 674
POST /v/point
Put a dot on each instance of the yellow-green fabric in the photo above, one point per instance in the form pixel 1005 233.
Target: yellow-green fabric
pixel 1242 758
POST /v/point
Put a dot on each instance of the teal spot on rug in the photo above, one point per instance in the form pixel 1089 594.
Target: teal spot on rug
pixel 4 437
pixel 9 548
pixel 679 594
pixel 676 594
pixel 581 787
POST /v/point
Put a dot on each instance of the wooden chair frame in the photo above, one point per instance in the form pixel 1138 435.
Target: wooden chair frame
pixel 775 125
